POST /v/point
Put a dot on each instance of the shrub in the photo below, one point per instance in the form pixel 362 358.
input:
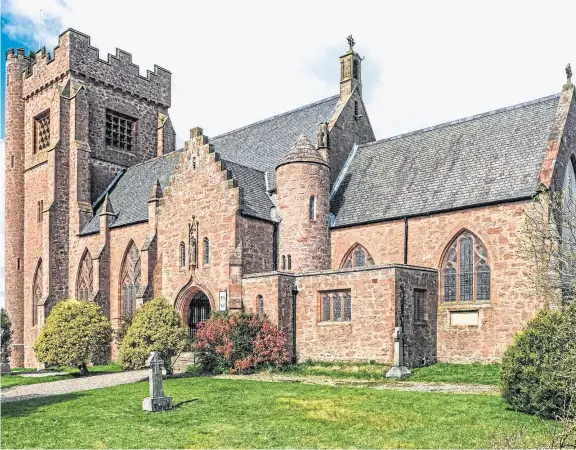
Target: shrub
pixel 155 327
pixel 239 343
pixel 5 335
pixel 74 334
pixel 120 333
pixel 536 375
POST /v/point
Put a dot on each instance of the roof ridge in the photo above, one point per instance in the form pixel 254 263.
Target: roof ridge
pixel 154 159
pixel 276 116
pixel 227 161
pixel 462 120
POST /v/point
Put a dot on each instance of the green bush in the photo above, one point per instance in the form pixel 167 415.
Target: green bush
pixel 155 327
pixel 536 374
pixel 5 335
pixel 240 343
pixel 74 334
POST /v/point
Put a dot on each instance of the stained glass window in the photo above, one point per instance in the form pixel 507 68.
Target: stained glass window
pixel 465 270
pixel 347 307
pixel 333 308
pixel 85 277
pixel 130 280
pixel 326 308
pixel 357 256
pixel 337 307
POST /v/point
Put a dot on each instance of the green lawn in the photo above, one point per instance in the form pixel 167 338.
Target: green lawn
pixel 440 372
pixel 236 413
pixel 73 372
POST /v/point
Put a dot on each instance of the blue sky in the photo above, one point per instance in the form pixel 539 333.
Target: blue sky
pixel 7 42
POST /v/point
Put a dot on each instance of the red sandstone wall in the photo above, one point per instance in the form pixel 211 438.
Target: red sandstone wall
pixel 206 195
pixel 257 245
pixel 512 303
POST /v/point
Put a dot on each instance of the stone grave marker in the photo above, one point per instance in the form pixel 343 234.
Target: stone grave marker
pixel 156 401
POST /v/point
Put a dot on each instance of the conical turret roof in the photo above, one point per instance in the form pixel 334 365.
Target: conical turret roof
pixel 302 151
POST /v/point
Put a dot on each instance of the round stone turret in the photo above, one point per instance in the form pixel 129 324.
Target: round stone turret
pixel 303 197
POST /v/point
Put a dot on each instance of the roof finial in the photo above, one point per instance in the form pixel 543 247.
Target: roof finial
pixel 569 73
pixel 351 42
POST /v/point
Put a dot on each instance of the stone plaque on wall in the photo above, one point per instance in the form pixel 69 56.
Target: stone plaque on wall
pixel 466 318
pixel 222 301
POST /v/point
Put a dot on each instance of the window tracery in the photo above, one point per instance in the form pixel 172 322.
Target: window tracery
pixel 130 280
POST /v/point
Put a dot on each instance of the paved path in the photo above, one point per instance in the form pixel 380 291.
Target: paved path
pixel 448 388
pixel 30 391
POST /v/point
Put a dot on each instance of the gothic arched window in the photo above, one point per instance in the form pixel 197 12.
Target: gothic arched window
pixel 260 301
pixel 182 254
pixel 289 262
pixel 465 270
pixel 357 256
pixel 37 291
pixel 84 282
pixel 130 280
pixel 283 262
pixel 206 251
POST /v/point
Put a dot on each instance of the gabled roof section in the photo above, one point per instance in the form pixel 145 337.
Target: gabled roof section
pixel 262 145
pixel 129 196
pixel 488 158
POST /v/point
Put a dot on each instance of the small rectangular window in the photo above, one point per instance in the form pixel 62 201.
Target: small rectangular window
pixel 312 208
pixel 336 306
pixel 120 131
pixel 41 131
pixel 420 305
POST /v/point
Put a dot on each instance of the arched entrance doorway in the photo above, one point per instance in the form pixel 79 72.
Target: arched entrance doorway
pixel 198 312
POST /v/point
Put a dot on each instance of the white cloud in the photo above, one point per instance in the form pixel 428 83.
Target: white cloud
pixel 237 62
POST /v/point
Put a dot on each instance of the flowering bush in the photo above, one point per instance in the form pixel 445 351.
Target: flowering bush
pixel 239 343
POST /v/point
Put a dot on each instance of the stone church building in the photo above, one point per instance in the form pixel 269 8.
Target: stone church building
pixel 306 217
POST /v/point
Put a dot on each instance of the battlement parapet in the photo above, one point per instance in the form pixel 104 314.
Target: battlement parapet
pixel 75 55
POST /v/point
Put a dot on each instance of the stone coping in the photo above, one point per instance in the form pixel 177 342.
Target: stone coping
pixel 340 271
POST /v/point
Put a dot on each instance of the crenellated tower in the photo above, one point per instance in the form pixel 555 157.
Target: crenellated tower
pixel 303 198
pixel 17 64
pixel 73 123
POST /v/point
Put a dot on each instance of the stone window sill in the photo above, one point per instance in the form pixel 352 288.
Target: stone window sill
pixel 464 306
pixel 334 323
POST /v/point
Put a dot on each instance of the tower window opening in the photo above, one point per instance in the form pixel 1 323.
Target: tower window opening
pixel 12 161
pixel 206 251
pixel 42 132
pixel 355 70
pixel 356 109
pixel 182 254
pixel 312 208
pixel 283 262
pixel 120 131
pixel 289 262
pixel 19 264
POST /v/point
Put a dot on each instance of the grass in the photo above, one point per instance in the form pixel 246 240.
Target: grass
pixel 213 413
pixel 440 372
pixel 73 372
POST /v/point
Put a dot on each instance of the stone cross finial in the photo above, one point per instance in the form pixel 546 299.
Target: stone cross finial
pixel 351 42
pixel 569 73
pixel 156 401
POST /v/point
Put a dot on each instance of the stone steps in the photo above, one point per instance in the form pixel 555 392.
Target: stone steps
pixel 183 361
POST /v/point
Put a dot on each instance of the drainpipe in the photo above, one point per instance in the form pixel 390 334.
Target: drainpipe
pixel 405 240
pixel 294 294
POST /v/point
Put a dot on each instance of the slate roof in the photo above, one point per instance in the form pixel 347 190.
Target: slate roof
pixel 262 145
pixel 302 151
pixel 129 196
pixel 487 158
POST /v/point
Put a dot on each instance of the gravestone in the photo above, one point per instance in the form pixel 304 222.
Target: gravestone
pixel 156 401
pixel 398 370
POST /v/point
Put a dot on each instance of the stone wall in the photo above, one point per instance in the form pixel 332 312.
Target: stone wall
pixel 420 346
pixel 347 129
pixel 257 245
pixel 369 333
pixel 512 298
